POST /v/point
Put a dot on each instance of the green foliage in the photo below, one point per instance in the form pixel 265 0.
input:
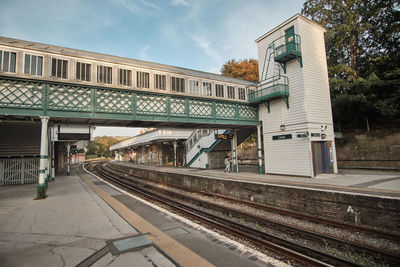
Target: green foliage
pixel 100 146
pixel 363 53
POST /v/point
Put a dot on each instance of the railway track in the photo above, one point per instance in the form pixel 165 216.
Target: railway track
pixel 293 214
pixel 290 249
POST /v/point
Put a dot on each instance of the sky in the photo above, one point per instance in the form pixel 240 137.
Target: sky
pixel 195 34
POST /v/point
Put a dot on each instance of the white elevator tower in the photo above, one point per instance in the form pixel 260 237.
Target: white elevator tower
pixel 294 99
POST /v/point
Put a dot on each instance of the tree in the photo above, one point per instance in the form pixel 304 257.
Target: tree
pixel 363 53
pixel 246 69
pixel 100 146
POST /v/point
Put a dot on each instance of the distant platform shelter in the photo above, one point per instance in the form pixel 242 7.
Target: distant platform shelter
pixel 163 147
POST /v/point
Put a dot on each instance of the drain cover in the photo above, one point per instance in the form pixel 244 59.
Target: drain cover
pixel 130 244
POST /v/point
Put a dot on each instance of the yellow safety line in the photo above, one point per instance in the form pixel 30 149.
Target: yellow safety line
pixel 179 253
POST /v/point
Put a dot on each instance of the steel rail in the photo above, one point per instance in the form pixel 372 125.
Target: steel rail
pixel 300 253
pixel 358 247
pixel 386 235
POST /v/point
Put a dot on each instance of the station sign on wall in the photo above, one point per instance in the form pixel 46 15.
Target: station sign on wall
pixel 282 137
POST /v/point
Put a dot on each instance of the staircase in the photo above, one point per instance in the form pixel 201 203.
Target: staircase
pixel 204 150
pixel 273 85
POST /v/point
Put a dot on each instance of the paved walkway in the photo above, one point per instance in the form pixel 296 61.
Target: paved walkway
pixel 368 182
pixel 72 224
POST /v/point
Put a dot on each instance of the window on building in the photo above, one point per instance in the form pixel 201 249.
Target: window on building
pixel 83 72
pixel 143 79
pixel 178 84
pixel 7 61
pixel 250 91
pixel 242 93
pixel 231 91
pixel 125 77
pixel 194 87
pixel 219 90
pixel 59 68
pixel 104 74
pixel 160 82
pixel 33 65
pixel 207 91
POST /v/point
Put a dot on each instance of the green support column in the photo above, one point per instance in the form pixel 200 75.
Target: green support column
pixel 160 154
pixel 234 152
pixel 175 154
pixel 47 169
pixel 260 169
pixel 48 174
pixel 53 169
pixel 41 188
pixel 184 154
pixel 68 157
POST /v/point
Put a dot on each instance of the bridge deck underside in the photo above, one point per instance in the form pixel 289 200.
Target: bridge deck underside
pixel 72 103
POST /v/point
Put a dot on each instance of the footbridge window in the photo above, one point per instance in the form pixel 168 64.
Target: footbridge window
pixel 104 74
pixel 143 79
pixel 231 92
pixel 83 72
pixel 242 93
pixel 160 82
pixel 59 68
pixel 194 87
pixel 33 65
pixel 124 77
pixel 178 84
pixel 219 90
pixel 7 61
pixel 207 91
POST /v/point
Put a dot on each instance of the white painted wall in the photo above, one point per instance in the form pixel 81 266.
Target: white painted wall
pixel 309 101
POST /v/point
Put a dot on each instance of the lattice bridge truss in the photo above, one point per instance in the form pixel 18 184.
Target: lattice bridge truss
pixel 25 97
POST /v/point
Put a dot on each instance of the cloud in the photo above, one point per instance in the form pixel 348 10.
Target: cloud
pixel 50 27
pixel 143 52
pixel 179 3
pixel 137 7
pixel 204 44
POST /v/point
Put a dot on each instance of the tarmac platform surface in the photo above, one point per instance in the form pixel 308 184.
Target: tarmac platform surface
pixel 88 222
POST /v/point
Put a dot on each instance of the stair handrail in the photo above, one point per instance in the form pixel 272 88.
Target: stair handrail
pixel 282 40
pixel 201 150
pixel 188 147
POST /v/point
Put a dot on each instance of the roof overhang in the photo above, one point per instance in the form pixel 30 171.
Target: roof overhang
pixel 291 19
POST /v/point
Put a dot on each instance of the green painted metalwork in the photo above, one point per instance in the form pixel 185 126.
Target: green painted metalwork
pixel 205 149
pixel 41 191
pixel 37 98
pixel 20 94
pixel 272 88
pixel 287 48
pixel 200 108
pixel 225 110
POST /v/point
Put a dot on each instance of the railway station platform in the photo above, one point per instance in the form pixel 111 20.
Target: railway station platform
pixel 368 199
pixel 385 183
pixel 87 222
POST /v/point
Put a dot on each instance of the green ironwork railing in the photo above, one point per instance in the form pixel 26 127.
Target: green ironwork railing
pixel 285 46
pixel 271 88
pixel 28 97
